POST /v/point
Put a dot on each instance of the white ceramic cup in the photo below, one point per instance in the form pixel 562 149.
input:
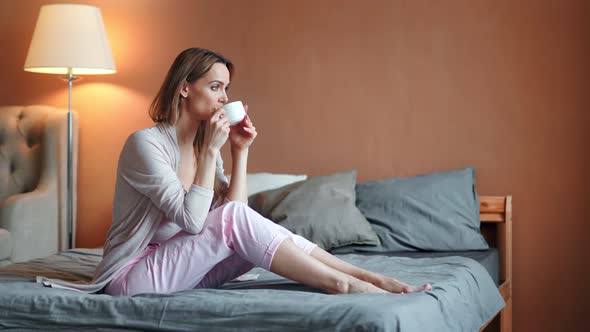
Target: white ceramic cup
pixel 235 112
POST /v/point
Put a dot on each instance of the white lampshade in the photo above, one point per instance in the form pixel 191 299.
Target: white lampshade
pixel 70 36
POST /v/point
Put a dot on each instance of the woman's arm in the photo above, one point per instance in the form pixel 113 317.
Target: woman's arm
pixel 241 137
pixel 216 133
pixel 146 167
pixel 238 188
pixel 205 176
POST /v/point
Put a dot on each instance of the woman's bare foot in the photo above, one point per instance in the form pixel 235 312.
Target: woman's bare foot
pixel 395 286
pixel 358 286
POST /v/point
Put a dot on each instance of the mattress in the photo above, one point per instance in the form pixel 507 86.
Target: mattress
pixel 489 258
pixel 463 298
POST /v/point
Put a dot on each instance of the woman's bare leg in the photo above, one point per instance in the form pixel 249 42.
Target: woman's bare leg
pixel 293 263
pixel 384 282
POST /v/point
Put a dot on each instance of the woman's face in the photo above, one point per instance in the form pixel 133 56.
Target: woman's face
pixel 207 94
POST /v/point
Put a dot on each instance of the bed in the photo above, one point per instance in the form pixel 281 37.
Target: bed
pixel 465 296
pixel 428 228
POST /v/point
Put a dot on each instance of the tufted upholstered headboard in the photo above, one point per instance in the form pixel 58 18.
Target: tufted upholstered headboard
pixel 21 131
pixel 33 176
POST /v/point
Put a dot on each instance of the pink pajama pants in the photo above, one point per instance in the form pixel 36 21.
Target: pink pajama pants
pixel 234 239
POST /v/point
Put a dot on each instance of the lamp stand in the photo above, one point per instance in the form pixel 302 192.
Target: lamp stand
pixel 70 77
pixel 69 38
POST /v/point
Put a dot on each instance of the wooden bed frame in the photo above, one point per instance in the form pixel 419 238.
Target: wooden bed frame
pixel 496 226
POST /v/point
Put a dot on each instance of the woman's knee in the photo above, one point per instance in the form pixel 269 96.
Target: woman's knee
pixel 236 205
pixel 240 211
pixel 236 213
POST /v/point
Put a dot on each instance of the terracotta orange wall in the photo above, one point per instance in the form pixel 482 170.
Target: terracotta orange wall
pixel 391 88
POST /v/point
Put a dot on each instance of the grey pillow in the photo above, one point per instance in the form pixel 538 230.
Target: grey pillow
pixel 432 212
pixel 321 209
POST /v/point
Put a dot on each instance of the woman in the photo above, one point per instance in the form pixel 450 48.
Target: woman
pixel 178 224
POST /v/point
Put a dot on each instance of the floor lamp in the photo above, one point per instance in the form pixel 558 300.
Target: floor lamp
pixel 70 40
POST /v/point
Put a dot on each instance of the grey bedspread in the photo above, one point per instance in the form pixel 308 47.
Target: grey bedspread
pixel 464 296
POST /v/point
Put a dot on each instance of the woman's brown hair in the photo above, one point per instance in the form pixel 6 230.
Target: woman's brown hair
pixel 190 65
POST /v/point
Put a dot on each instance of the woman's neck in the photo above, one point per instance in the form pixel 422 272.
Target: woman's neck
pixel 186 129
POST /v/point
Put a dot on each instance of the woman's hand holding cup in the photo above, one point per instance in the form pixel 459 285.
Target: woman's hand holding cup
pixel 217 131
pixel 242 131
